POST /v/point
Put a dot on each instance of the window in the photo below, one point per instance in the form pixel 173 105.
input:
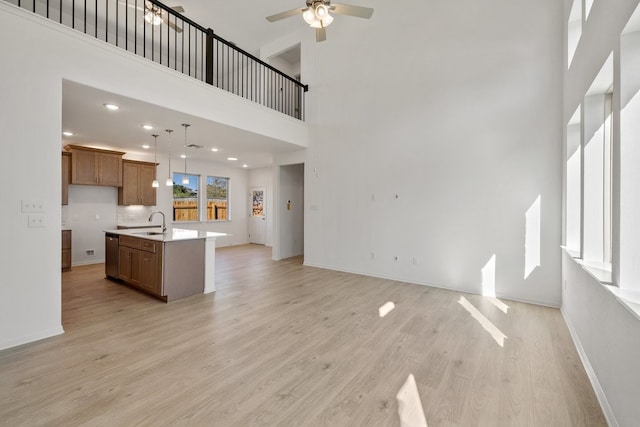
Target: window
pixel 185 197
pixel 217 198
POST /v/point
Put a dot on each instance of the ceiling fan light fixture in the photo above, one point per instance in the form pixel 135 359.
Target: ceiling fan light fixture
pixel 321 11
pixel 309 16
pixel 327 20
pixel 153 15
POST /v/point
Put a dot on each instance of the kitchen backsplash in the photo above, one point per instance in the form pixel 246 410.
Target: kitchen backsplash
pixel 133 214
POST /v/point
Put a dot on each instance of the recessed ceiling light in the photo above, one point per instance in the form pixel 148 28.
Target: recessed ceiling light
pixel 215 150
pixel 112 107
pixel 147 127
pixel 67 133
pixel 245 166
pixel 183 156
pixel 233 159
pixel 145 146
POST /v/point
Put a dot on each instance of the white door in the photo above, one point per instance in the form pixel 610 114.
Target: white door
pixel 257 216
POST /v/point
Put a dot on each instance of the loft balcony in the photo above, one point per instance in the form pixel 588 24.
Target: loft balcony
pixel 150 29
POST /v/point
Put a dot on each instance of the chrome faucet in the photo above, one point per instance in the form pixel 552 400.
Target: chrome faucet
pixel 164 224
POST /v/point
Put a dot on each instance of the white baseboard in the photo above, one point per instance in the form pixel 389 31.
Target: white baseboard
pixel 433 285
pixel 32 337
pixel 597 388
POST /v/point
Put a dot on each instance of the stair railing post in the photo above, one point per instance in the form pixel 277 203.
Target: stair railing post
pixel 209 55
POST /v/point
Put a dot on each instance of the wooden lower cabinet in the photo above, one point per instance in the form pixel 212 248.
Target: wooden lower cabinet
pixel 140 264
pixel 66 250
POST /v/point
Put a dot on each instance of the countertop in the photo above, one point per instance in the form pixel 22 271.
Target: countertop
pixel 172 234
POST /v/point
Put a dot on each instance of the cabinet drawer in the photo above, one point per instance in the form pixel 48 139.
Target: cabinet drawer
pixel 149 246
pixel 138 243
pixel 130 242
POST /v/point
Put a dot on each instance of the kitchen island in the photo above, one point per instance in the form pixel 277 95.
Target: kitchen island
pixel 171 265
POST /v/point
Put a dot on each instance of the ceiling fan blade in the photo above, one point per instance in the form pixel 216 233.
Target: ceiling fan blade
pixel 288 13
pixel 131 5
pixel 346 9
pixel 321 34
pixel 171 24
pixel 178 9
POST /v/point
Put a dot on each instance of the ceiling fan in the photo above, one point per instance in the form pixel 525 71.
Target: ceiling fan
pixel 317 14
pixel 155 15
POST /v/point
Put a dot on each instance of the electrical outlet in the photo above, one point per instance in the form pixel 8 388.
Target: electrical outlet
pixel 414 261
pixel 90 252
pixel 37 221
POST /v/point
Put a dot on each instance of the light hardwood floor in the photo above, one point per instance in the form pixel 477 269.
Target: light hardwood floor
pixel 281 344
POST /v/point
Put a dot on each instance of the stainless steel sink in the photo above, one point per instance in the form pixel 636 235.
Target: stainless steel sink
pixel 149 233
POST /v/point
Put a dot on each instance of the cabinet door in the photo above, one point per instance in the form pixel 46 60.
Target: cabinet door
pixel 66 259
pixel 66 239
pixel 146 176
pixel 109 169
pixel 129 193
pixel 83 167
pixel 148 272
pixel 124 263
pixel 66 166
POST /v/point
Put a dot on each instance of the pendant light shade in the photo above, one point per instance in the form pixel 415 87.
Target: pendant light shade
pixel 169 182
pixel 155 184
pixel 185 178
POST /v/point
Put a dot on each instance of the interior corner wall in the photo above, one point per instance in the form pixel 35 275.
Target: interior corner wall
pixel 30 119
pixel 604 330
pixel 431 139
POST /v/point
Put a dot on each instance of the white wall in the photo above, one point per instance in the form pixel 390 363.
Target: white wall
pixel 91 210
pixel 465 128
pixel 608 339
pixel 30 117
pixel 263 177
pixel 604 330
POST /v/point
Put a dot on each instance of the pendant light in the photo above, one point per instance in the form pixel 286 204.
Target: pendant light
pixel 155 184
pixel 185 178
pixel 169 182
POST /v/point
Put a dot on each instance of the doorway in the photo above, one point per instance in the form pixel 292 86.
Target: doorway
pixel 291 211
pixel 257 216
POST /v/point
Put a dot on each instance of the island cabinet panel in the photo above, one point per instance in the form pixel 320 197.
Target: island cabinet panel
pixel 66 176
pixel 137 179
pixel 92 166
pixel 149 272
pixel 141 264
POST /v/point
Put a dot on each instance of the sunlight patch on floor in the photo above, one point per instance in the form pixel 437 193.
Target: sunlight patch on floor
pixel 409 405
pixel 386 308
pixel 495 333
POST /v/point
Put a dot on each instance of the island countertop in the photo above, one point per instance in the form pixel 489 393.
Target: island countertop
pixel 172 234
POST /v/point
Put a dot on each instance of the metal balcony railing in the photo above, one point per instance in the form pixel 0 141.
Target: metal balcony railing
pixel 157 32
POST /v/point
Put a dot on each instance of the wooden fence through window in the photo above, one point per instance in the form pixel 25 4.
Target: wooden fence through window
pixel 187 210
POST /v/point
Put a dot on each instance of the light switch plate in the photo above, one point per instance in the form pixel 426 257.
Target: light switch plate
pixel 37 221
pixel 29 206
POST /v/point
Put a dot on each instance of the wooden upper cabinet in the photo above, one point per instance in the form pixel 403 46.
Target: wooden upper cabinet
pixel 92 166
pixel 66 176
pixel 137 178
